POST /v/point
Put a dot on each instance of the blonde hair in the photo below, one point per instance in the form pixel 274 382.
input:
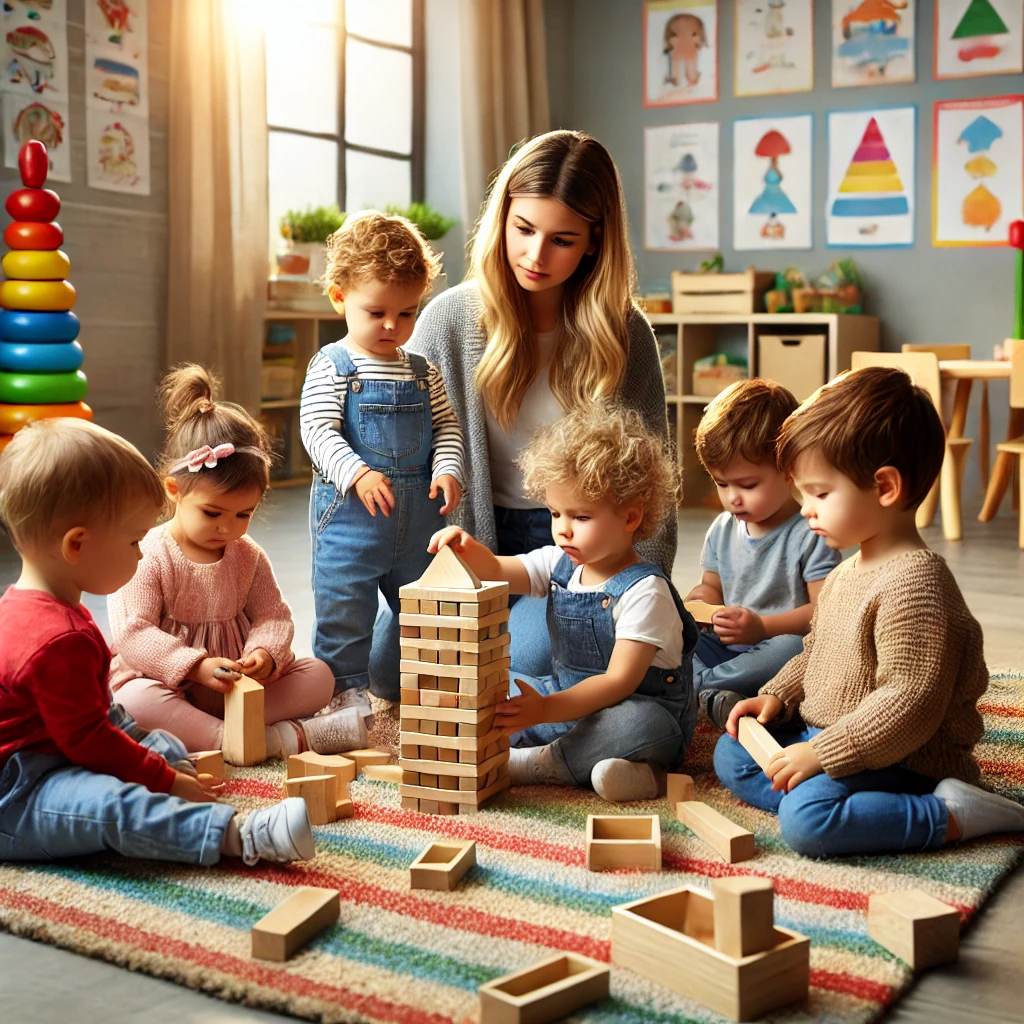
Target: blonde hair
pixel 592 347
pixel 604 453
pixel 194 419
pixel 370 246
pixel 743 422
pixel 66 472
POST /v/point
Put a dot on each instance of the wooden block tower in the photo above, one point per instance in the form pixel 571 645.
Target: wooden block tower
pixel 455 662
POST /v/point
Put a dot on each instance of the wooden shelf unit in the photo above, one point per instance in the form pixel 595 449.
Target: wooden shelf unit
pixel 697 336
pixel 280 413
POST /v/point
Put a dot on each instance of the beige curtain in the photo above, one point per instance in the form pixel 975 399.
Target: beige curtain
pixel 504 88
pixel 218 192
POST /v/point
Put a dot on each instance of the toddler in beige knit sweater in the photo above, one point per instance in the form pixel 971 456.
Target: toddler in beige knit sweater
pixel 878 716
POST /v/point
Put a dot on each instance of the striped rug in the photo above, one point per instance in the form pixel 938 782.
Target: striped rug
pixel 417 957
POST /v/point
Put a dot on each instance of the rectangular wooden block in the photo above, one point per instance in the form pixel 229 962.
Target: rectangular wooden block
pixel 432 667
pixel 383 773
pixel 320 793
pixel 680 788
pixel 364 757
pixel 486 622
pixel 408 631
pixel 438 699
pixel 428 753
pixel 623 841
pixel 445 754
pixel 725 837
pixel 456 768
pixel 669 939
pixel 409 697
pixel 442 865
pixel 311 763
pixel 918 928
pixel 758 742
pixel 475 745
pixel 744 915
pixel 429 780
pixel 471 609
pixel 291 924
pixel 464 797
pixel 467 716
pixel 448 657
pixel 547 991
pixel 448 608
pixel 427 607
pixel 428 632
pixel 209 762
pixel 448 634
pixel 410 606
pixel 447 728
pixel 410 778
pixel 245 737
pixel 487 591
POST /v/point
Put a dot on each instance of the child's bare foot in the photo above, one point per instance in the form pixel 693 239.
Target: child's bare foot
pixel 620 781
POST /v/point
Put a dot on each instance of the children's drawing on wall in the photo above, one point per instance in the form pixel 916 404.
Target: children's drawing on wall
pixel 24 120
pixel 772 182
pixel 873 42
pixel 119 24
pixel 35 58
pixel 681 187
pixel 680 52
pixel 871 178
pixel 774 46
pixel 119 160
pixel 977 170
pixel 978 37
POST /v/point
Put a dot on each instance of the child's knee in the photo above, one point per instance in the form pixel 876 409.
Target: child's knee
pixel 807 821
pixel 732 762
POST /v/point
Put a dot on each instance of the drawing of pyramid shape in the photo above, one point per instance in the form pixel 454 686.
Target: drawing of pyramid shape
pixel 872 175
pixel 980 19
pixel 449 571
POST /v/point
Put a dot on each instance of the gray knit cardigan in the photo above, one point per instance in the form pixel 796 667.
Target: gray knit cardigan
pixel 448 333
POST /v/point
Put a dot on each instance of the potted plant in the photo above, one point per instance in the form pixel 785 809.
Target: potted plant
pixel 432 224
pixel 306 232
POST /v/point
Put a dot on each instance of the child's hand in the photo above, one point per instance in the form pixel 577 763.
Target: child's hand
pixel 765 706
pixel 374 491
pixel 257 664
pixel 195 790
pixel 452 492
pixel 454 537
pixel 520 712
pixel 735 625
pixel 205 673
pixel 792 765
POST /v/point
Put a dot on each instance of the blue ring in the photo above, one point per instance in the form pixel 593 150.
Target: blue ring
pixel 41 328
pixel 18 357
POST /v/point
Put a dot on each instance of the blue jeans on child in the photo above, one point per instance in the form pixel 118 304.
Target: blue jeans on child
pixel 881 811
pixel 718 667
pixel 50 809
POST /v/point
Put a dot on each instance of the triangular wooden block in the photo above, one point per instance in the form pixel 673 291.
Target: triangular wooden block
pixel 449 570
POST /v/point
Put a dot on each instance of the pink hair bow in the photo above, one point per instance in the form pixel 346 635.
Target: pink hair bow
pixel 205 456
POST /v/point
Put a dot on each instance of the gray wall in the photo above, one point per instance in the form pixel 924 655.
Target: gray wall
pixel 922 294
pixel 118 250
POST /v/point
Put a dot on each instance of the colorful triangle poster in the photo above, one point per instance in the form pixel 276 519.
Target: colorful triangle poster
pixel 871 186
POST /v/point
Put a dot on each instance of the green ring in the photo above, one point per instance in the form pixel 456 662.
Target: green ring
pixel 42 388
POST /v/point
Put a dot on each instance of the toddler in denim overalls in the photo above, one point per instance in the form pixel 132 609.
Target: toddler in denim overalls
pixel 384 443
pixel 619 709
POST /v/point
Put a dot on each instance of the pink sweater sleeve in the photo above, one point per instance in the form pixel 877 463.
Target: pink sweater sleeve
pixel 135 612
pixel 269 616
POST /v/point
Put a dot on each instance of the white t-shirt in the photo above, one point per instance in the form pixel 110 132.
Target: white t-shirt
pixel 645 612
pixel 539 408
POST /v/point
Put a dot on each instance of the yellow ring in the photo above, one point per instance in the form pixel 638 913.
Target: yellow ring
pixel 36 265
pixel 5 440
pixel 38 296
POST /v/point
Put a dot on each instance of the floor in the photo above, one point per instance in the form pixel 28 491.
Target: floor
pixel 39 983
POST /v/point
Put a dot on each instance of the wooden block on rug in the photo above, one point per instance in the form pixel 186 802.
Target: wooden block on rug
pixel 623 841
pixel 729 840
pixel 680 788
pixel 758 742
pixel 383 773
pixel 362 758
pixel 245 737
pixel 291 924
pixel 441 865
pixel 546 991
pixel 918 928
pixel 320 794
pixel 310 763
pixel 744 915
pixel 209 762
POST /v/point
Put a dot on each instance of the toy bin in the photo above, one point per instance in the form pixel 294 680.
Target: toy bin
pixel 797 361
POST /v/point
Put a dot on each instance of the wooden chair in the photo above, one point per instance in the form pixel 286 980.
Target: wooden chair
pixel 923 370
pixel 1016 446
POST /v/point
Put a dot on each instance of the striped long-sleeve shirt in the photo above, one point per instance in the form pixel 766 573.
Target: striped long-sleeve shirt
pixel 322 418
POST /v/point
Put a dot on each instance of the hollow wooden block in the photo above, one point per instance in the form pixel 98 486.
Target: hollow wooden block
pixel 744 915
pixel 311 763
pixel 918 928
pixel 320 794
pixel 209 762
pixel 623 841
pixel 364 757
pixel 441 866
pixel 758 742
pixel 245 738
pixel 291 924
pixel 547 991
pixel 725 837
pixel 680 787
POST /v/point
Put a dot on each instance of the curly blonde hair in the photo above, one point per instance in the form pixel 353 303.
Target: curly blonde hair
pixel 604 453
pixel 370 246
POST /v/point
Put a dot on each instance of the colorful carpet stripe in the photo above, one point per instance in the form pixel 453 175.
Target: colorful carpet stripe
pixel 399 956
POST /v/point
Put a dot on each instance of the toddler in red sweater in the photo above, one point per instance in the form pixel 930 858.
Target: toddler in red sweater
pixel 77 775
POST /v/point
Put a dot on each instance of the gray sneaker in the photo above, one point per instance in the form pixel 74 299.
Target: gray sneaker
pixel 717 704
pixel 280 833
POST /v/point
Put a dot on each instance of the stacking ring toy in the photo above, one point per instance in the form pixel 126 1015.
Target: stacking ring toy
pixel 43 388
pixel 37 295
pixel 5 440
pixel 38 204
pixel 41 328
pixel 36 265
pixel 30 235
pixel 19 357
pixel 14 417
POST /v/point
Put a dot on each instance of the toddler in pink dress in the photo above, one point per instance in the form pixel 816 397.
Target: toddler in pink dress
pixel 204 603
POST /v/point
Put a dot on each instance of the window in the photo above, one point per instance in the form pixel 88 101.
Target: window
pixel 345 108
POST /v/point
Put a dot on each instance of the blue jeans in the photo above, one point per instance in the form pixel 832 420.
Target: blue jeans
pixel 718 667
pixel 637 729
pixel 51 809
pixel 883 811
pixel 520 530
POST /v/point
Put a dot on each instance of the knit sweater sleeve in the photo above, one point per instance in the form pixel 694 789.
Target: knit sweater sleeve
pixel 270 618
pixel 916 677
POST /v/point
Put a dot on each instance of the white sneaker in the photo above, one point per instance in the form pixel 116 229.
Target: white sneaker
pixel 620 781
pixel 280 833
pixel 977 811
pixel 353 697
pixel 337 731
